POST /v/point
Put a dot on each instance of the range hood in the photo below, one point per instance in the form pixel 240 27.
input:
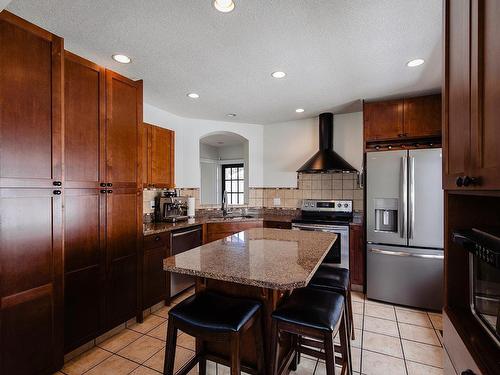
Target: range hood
pixel 326 160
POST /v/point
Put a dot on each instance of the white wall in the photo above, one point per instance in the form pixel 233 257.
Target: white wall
pixel 290 144
pixel 187 144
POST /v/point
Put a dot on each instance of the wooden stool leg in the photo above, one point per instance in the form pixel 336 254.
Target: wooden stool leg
pixel 329 354
pixel 351 318
pixel 294 364
pixel 259 342
pixel 202 362
pixel 168 368
pixel 345 344
pixel 235 354
pixel 274 347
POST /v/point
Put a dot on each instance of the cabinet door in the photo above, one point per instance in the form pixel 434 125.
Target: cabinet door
pixel 123 131
pixel 30 104
pixel 383 120
pixel 83 123
pixel 146 155
pixel 422 116
pixel 456 122
pixel 31 296
pixel 357 254
pixel 154 277
pixel 162 157
pixel 485 95
pixel 122 253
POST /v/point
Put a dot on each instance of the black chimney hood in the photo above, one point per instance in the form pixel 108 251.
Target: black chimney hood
pixel 326 160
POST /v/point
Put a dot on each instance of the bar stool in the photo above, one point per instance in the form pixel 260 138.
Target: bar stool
pixel 212 317
pixel 315 316
pixel 335 279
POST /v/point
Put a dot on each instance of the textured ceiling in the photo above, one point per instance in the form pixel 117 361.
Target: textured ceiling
pixel 335 52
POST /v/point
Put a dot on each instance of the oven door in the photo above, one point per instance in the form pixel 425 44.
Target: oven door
pixel 339 252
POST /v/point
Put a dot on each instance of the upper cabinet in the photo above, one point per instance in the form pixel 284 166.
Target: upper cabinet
pixel 471 96
pixel 158 157
pixel 410 118
pixel 31 95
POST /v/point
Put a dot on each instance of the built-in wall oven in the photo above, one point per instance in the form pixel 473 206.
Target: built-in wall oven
pixel 484 276
pixel 328 216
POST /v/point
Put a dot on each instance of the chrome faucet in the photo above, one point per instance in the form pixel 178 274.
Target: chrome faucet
pixel 224 203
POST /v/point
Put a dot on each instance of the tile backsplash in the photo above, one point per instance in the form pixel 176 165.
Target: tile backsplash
pixel 318 186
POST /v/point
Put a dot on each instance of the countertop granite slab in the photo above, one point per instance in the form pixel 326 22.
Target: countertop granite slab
pixel 262 257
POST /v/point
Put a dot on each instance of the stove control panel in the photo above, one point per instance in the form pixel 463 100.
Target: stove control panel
pixel 321 205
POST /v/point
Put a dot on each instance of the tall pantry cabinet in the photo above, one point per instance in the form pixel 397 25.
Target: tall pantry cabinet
pixel 70 199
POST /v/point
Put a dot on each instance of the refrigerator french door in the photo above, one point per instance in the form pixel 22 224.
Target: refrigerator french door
pixel 405 227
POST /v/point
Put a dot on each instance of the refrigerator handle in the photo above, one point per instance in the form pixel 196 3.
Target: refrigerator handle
pixel 404 196
pixel 411 206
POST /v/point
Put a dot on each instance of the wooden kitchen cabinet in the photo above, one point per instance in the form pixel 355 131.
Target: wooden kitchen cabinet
pixel 400 119
pixel 277 224
pixel 31 258
pixel 158 157
pixel 217 231
pixel 472 113
pixel 155 286
pixel 357 254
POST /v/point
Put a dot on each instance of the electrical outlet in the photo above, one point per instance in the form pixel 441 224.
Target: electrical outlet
pixel 277 201
pixel 152 204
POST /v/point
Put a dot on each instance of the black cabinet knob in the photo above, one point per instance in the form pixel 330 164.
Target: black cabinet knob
pixel 102 184
pixel 470 181
pixel 157 238
pixel 110 191
pixel 57 192
pixel 468 372
pixel 103 191
pixel 57 183
pixel 459 181
pixel 109 184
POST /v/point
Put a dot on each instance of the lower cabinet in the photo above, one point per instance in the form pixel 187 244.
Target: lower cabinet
pixel 154 278
pixel 277 224
pixel 217 231
pixel 357 254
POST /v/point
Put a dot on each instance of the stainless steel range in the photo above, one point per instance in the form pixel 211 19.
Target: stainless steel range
pixel 328 216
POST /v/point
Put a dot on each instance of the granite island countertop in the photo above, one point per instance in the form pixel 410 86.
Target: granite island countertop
pixel 262 257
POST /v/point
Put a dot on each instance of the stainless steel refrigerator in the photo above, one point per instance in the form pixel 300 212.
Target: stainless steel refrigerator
pixel 405 227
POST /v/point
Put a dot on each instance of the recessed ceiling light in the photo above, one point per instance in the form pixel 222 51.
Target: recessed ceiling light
pixel 278 74
pixel 121 59
pixel 231 115
pixel 299 110
pixel 193 95
pixel 224 6
pixel 220 142
pixel 414 63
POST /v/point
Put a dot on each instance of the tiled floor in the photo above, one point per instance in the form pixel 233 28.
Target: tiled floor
pixel 390 340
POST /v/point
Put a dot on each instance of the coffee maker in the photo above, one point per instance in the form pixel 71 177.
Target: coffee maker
pixel 169 207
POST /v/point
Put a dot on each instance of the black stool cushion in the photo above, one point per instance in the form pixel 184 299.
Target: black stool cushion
pixel 214 312
pixel 314 308
pixel 331 278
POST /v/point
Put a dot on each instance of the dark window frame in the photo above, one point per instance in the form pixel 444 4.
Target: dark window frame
pixel 223 172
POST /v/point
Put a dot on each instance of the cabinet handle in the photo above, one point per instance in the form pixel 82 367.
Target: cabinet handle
pixel 157 238
pixel 109 184
pixel 57 183
pixel 470 181
pixel 102 184
pixel 468 372
pixel 103 191
pixel 57 192
pixel 459 181
pixel 109 191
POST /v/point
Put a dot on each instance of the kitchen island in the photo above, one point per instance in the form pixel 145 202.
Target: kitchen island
pixel 263 264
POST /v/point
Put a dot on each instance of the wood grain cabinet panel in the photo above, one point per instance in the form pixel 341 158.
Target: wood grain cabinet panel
pixel 155 278
pixel 31 104
pixel 158 157
pixel 217 231
pixel 422 116
pixel 383 120
pixel 357 254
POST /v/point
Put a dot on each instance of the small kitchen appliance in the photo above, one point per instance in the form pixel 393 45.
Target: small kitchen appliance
pixel 171 208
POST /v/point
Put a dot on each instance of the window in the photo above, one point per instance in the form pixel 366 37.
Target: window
pixel 233 182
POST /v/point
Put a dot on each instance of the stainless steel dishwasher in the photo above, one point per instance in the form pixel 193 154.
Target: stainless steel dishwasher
pixel 183 240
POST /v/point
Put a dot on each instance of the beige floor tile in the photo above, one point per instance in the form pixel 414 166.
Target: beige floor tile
pixel 423 353
pixel 358 296
pixel 414 317
pixel 211 369
pixel 114 365
pixel 306 367
pixel 437 321
pixel 356 359
pixel 142 349
pixel 163 312
pixel 382 312
pixel 186 341
pixel 150 322
pixel 181 357
pixel 358 321
pixel 358 334
pixel 120 340
pixel 85 361
pixel 417 333
pixel 159 332
pixel 382 344
pixel 357 307
pixel 419 369
pixel 378 303
pixel 384 326
pixel 380 364
pixel 142 370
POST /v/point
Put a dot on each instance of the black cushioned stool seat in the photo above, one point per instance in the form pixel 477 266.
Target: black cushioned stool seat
pixel 335 279
pixel 212 317
pixel 313 317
